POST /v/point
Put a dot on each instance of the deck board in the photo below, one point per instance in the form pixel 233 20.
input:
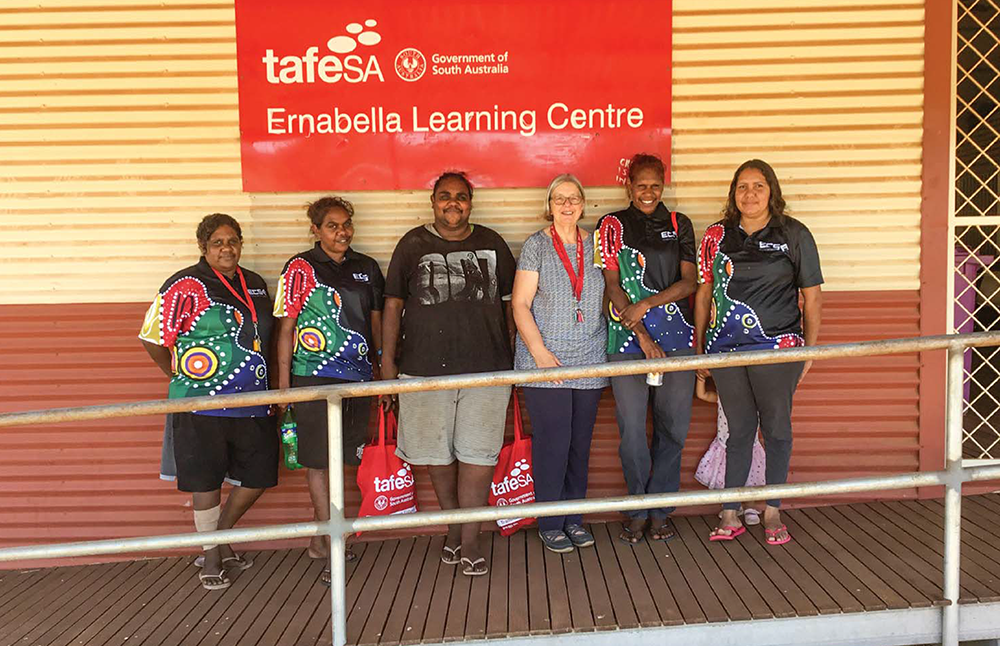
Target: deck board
pixel 842 559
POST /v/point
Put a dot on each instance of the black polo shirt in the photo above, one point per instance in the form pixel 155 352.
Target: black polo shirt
pixel 210 334
pixel 755 283
pixel 332 304
pixel 647 251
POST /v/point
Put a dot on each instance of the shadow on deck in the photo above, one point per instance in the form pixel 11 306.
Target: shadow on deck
pixel 847 573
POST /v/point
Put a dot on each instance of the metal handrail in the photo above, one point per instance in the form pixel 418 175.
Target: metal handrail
pixel 952 477
pixel 501 378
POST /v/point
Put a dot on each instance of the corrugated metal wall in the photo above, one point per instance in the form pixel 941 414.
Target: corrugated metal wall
pixel 118 132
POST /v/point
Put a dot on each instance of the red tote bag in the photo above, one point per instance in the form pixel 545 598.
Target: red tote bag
pixel 512 480
pixel 385 480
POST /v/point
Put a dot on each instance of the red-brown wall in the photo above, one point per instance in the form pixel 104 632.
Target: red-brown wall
pixel 94 480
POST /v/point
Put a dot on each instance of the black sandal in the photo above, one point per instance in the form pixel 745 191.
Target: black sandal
pixel 631 536
pixel 664 532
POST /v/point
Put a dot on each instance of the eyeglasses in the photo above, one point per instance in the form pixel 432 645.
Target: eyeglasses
pixel 559 200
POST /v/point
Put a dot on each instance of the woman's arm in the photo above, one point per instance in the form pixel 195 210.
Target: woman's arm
pixel 392 318
pixel 377 343
pixel 160 356
pixel 525 288
pixel 702 310
pixel 286 342
pixel 812 315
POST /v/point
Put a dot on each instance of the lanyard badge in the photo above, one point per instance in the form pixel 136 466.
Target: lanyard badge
pixel 576 279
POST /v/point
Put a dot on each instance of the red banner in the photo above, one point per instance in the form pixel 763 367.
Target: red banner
pixel 388 94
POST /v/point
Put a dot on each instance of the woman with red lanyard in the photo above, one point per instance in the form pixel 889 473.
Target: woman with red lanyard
pixel 209 330
pixel 647 254
pixel 557 307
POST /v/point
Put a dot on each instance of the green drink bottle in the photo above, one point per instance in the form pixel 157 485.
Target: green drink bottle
pixel 290 439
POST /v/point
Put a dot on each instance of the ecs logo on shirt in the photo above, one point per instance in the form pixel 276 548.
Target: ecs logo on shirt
pixel 257 292
pixel 668 235
pixel 361 277
pixel 774 246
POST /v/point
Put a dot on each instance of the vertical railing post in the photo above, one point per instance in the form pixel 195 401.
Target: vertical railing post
pixel 338 547
pixel 953 494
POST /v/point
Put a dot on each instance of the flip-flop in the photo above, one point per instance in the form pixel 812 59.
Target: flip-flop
pixel 734 531
pixel 325 578
pixel 237 562
pixel 214 581
pixel 449 555
pixel 472 567
pixel 664 532
pixel 769 535
pixel 751 517
pixel 631 536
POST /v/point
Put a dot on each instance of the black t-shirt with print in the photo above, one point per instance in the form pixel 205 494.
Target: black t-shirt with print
pixel 757 299
pixel 453 293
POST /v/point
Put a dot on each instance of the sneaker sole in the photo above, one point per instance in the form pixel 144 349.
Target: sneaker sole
pixel 557 550
pixel 584 544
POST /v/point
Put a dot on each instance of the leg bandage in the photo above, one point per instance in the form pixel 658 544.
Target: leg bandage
pixel 207 520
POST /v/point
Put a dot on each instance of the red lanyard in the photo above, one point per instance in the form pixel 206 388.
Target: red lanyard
pixel 575 279
pixel 248 303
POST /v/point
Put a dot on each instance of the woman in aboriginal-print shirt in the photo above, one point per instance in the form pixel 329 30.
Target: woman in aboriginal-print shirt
pixel 329 311
pixel 753 265
pixel 209 330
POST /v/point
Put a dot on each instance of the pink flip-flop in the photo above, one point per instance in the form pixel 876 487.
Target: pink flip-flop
pixel 769 535
pixel 734 531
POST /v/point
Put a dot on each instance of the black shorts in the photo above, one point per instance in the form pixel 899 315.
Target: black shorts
pixel 312 425
pixel 207 447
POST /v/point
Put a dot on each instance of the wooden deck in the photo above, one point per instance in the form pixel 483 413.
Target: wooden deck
pixel 844 559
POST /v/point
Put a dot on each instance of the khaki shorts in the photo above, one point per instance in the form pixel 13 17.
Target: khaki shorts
pixel 438 427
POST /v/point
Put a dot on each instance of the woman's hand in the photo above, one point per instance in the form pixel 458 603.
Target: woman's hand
pixel 632 315
pixel 545 359
pixel 702 373
pixel 389 371
pixel 650 348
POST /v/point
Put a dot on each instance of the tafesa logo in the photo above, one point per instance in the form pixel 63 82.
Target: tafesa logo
pixel 402 479
pixel 341 64
pixel 519 477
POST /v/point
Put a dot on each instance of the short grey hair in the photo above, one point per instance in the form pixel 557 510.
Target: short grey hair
pixel 562 179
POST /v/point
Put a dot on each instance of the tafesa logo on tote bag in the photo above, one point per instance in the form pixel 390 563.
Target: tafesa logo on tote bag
pixel 518 478
pixel 345 62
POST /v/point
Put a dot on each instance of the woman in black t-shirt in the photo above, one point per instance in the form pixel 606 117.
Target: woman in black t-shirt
pixel 753 264
pixel 454 279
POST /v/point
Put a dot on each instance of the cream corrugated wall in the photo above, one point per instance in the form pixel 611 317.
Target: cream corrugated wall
pixel 119 131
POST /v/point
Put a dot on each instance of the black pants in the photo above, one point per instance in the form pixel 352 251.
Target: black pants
pixel 562 422
pixel 753 395
pixel 655 469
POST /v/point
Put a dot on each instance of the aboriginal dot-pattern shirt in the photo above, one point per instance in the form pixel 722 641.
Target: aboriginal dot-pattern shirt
pixel 755 284
pixel 332 305
pixel 211 336
pixel 646 251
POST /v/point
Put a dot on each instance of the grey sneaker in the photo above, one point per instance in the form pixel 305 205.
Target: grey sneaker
pixel 555 540
pixel 579 536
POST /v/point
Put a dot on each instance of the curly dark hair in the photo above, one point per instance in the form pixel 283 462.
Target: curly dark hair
pixel 644 161
pixel 210 223
pixel 452 174
pixel 775 205
pixel 318 209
